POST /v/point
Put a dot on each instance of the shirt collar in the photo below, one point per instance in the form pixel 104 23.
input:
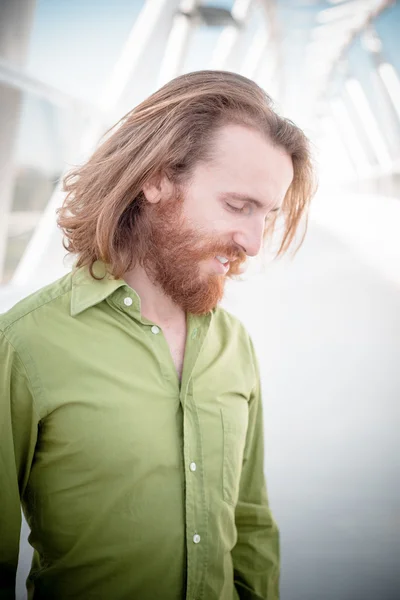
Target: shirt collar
pixel 88 291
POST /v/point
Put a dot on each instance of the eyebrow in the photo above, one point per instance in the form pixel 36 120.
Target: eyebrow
pixel 245 198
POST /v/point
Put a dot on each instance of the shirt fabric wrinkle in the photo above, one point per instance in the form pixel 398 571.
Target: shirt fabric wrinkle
pixel 134 485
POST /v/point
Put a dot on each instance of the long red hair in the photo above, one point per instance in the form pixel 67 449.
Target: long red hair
pixel 169 133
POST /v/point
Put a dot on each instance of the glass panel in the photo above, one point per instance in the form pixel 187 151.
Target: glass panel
pixel 227 4
pixel 74 45
pixel 44 139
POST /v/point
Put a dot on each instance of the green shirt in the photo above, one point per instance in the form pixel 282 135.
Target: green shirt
pixel 135 485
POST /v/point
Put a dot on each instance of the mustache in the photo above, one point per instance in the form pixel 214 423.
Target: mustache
pixel 233 253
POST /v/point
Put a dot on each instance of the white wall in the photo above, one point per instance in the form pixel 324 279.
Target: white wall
pixel 327 330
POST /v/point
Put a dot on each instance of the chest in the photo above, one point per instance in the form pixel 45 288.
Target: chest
pixel 122 435
pixel 176 340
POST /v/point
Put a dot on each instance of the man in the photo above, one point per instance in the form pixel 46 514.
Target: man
pixel 131 417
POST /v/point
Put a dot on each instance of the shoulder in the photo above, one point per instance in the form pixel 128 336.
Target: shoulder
pixel 224 317
pixel 234 336
pixel 38 306
pixel 231 328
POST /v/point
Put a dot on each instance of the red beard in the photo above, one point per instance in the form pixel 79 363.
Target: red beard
pixel 171 252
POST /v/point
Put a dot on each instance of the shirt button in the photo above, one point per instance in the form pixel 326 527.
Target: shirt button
pixel 155 329
pixel 128 301
pixel 193 466
pixel 196 538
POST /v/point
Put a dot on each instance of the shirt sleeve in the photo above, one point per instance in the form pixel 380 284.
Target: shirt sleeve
pixel 256 554
pixel 18 434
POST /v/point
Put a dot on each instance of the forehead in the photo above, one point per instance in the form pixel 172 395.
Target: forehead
pixel 245 162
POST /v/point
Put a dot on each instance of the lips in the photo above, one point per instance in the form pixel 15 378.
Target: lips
pixel 221 268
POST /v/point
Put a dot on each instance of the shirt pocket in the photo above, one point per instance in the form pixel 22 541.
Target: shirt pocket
pixel 234 426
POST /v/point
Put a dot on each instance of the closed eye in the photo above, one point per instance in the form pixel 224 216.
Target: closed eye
pixel 246 209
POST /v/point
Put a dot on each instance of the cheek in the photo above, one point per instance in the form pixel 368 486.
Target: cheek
pixel 206 214
pixel 203 218
pixel 224 223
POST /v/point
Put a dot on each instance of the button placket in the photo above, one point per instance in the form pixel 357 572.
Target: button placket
pixel 196 507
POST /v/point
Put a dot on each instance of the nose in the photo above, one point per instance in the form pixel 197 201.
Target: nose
pixel 250 237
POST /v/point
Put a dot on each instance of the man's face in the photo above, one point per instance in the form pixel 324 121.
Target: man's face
pixel 197 240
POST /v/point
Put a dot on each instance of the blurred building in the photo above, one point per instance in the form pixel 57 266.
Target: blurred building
pixel 326 325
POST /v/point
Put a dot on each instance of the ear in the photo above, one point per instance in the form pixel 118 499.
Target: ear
pixel 158 188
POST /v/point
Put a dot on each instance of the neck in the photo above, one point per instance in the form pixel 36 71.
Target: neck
pixel 155 305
